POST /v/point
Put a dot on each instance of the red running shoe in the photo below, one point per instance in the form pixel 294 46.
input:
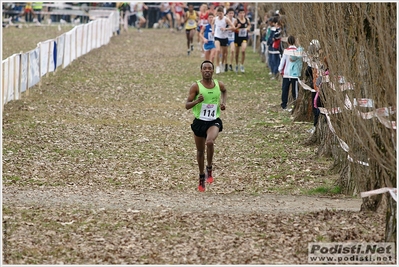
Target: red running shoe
pixel 208 175
pixel 201 186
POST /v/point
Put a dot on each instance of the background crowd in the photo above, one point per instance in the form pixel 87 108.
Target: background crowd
pixel 37 11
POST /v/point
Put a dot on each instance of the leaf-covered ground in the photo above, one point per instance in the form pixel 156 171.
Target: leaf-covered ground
pixel 99 167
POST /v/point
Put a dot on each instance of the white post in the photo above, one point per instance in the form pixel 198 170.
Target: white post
pixel 49 58
pixel 17 76
pixel 40 64
pixel 256 24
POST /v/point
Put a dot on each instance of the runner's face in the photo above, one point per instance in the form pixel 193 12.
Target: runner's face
pixel 207 71
pixel 220 14
pixel 241 14
pixel 190 8
pixel 230 14
pixel 210 18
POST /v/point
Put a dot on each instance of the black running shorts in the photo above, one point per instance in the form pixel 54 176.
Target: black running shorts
pixel 200 127
pixel 222 41
pixel 239 40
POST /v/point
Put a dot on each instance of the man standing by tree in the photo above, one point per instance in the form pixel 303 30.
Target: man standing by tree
pixel 206 97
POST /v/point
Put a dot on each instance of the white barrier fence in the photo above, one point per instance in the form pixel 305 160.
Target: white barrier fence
pixel 24 70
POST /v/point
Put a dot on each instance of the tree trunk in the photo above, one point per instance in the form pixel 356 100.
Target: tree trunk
pixel 390 225
pixel 303 110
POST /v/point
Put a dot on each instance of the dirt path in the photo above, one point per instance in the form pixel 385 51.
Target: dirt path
pixel 86 197
pixel 99 168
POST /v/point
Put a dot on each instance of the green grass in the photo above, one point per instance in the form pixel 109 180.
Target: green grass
pixel 325 190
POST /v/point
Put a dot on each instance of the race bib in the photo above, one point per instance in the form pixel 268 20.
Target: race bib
pixel 211 37
pixel 208 112
pixel 191 22
pixel 230 35
pixel 242 32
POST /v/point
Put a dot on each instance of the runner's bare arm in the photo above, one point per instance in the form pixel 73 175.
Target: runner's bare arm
pixel 202 34
pixel 228 21
pixel 224 95
pixel 194 90
pixel 213 25
pixel 249 25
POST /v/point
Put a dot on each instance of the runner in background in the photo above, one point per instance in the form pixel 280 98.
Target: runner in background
pixel 166 15
pixel 139 9
pixel 208 39
pixel 178 10
pixel 243 26
pixel 231 35
pixel 191 19
pixel 220 23
pixel 203 21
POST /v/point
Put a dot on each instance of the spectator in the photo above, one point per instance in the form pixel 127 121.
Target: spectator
pixel 315 75
pixel 124 8
pixel 109 4
pixel 37 8
pixel 250 16
pixel 28 12
pixel 267 35
pixel 237 6
pixel 273 43
pixel 289 68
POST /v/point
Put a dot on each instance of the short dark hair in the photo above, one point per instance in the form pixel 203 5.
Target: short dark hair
pixel 230 9
pixel 220 9
pixel 207 61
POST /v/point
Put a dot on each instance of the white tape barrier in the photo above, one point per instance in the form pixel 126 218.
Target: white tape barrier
pixel 326 79
pixel 305 86
pixel 342 143
pixel 362 102
pixel 24 70
pixel 392 191
pixel 379 113
pixel 357 161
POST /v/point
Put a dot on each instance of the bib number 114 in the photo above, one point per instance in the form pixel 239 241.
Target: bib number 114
pixel 208 112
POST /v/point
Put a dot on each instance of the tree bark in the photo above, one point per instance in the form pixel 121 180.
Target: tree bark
pixel 303 109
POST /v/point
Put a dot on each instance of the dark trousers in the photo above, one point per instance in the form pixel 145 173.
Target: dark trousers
pixel 38 13
pixel 316 111
pixel 286 88
pixel 28 17
pixel 274 59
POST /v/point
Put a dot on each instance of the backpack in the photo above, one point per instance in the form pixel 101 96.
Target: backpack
pixel 296 65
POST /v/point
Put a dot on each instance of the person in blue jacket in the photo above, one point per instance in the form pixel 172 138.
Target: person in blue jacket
pixel 290 68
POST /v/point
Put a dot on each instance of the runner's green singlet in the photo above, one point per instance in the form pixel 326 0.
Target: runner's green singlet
pixel 209 109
